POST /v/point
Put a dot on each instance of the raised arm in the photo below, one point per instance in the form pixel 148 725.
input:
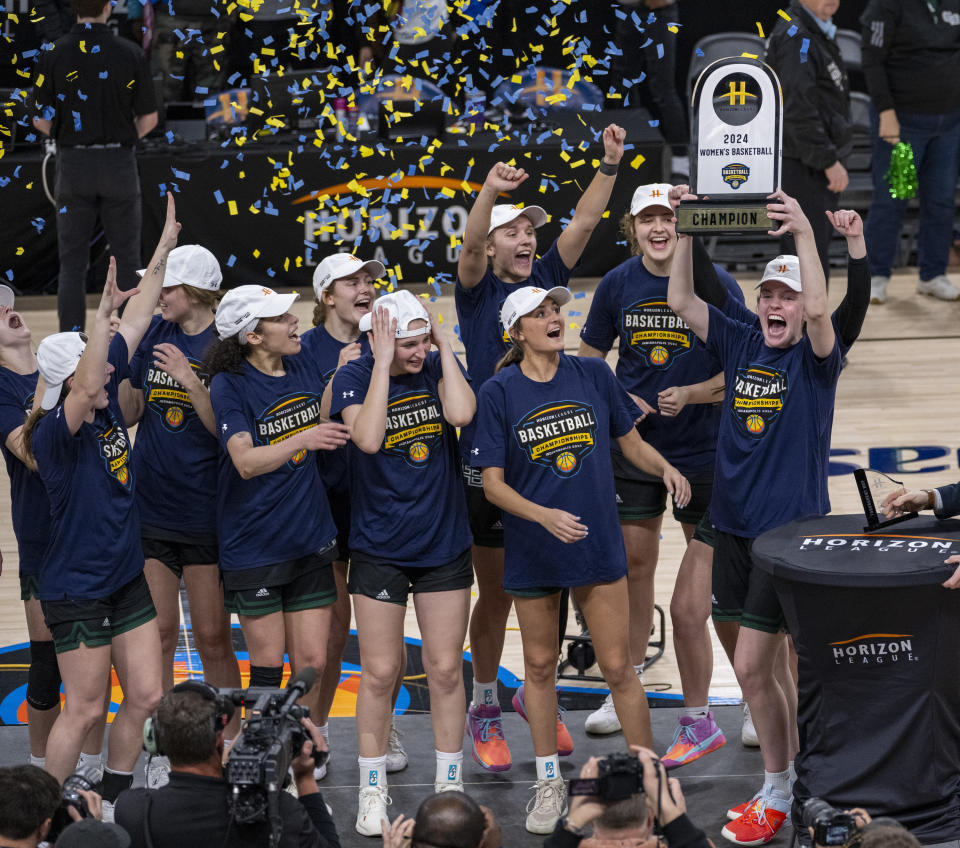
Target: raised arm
pixel 850 314
pixel 681 297
pixel 456 397
pixel 137 315
pixel 787 211
pixel 368 420
pixel 594 200
pixel 472 264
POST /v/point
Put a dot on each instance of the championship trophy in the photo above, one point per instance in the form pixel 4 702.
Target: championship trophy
pixel 737 136
pixel 874 487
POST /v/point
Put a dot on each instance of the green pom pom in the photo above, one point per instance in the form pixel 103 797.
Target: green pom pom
pixel 902 174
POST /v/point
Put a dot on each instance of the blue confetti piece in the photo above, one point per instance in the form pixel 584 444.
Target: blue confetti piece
pixel 181 175
pixel 571 313
pixel 231 261
pixel 4 182
pixel 103 74
pixel 804 47
pixel 659 51
pixel 218 196
pixel 792 31
pixel 77 123
pixel 38 224
pixel 578 295
pixel 9 273
pixel 95 48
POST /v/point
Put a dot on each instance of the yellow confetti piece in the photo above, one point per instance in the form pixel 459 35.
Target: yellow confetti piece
pixel 749 55
pixel 83 46
pixel 674 29
pixel 232 207
pixel 783 15
pixel 286 264
pixel 446 191
pixel 256 253
pixel 577 164
pixel 637 160
pixel 19 251
pixel 760 29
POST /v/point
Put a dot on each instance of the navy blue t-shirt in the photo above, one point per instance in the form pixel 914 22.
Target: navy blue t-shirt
pixel 478 311
pixel 28 499
pixel 408 503
pixel 552 441
pixel 95 535
pixel 282 515
pixel 174 456
pixel 657 350
pixel 774 439
pixel 317 345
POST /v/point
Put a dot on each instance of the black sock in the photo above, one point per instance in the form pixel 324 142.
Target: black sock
pixel 114 783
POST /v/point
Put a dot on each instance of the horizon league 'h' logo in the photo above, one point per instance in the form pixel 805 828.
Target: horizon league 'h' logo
pixel 759 394
pixel 737 99
pixel 286 417
pixel 656 332
pixel 168 399
pixel 115 451
pixel 414 426
pixel 873 649
pixel 558 435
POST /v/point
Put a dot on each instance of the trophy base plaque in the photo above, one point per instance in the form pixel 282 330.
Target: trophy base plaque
pixel 705 217
pixel 871 485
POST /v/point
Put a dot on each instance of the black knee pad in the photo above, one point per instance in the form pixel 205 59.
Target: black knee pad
pixel 268 676
pixel 43 679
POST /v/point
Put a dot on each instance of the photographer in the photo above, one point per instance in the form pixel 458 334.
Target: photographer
pixel 450 819
pixel 193 810
pixel 664 804
pixel 853 828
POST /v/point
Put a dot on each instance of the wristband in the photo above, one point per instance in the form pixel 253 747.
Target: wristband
pixel 607 169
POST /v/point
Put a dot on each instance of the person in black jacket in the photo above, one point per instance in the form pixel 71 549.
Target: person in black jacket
pixel 911 62
pixel 944 501
pixel 192 810
pixel 817 132
pixel 664 802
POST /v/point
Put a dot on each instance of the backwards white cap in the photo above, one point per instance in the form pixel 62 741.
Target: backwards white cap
pixel 405 307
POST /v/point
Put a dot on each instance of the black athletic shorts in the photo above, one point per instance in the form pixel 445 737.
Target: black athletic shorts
pixel 29 586
pixel 176 555
pixel 642 496
pixel 742 592
pixel 705 531
pixel 299 584
pixel 95 622
pixel 486 520
pixel 392 584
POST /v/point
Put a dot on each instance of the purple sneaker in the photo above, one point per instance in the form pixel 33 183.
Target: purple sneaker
pixel 485 727
pixel 694 738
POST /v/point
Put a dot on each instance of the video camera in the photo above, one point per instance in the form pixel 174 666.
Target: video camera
pixel 831 827
pixel 83 778
pixel 272 736
pixel 619 776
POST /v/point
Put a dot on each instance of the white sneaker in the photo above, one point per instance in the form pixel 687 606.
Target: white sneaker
pixel 93 769
pixel 448 787
pixel 106 811
pixel 748 733
pixel 939 287
pixel 878 289
pixel 157 772
pixel 396 756
pixel 373 809
pixel 546 807
pixel 604 720
pixel 320 772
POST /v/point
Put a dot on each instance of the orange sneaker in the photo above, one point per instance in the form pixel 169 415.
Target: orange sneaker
pixel 564 739
pixel 740 809
pixel 760 821
pixel 485 726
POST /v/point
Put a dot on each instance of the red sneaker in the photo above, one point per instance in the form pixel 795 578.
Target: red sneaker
pixel 564 739
pixel 760 821
pixel 740 809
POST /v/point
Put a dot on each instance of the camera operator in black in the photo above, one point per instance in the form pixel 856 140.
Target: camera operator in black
pixel 665 805
pixel 29 797
pixel 817 129
pixel 192 810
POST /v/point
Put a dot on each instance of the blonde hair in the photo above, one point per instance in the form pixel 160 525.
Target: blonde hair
pixel 514 356
pixel 626 230
pixel 202 297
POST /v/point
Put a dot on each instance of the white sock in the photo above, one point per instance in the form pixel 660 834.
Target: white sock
pixel 548 768
pixel 39 762
pixel 324 730
pixel 373 772
pixel 89 760
pixel 778 780
pixel 695 712
pixel 448 767
pixel 793 773
pixel 485 694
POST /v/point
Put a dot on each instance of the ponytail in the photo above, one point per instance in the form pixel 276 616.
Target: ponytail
pixel 26 435
pixel 514 356
pixel 319 312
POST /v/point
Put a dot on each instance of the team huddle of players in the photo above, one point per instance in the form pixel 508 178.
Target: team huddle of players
pixel 279 475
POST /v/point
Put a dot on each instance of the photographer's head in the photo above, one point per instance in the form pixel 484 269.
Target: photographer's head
pixel 188 726
pixel 627 822
pixel 28 799
pixel 449 820
pixel 887 833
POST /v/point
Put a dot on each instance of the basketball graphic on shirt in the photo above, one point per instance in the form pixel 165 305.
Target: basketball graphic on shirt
pixel 174 416
pixel 566 462
pixel 419 452
pixel 650 329
pixel 286 417
pixel 659 355
pixel 299 457
pixel 759 394
pixel 123 475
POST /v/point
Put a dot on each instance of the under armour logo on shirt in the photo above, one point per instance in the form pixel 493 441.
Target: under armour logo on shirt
pixel 223 427
pixel 348 394
pixel 475 451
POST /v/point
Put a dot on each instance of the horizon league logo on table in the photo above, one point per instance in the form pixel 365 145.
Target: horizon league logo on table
pixel 873 649
pixel 286 417
pixel 169 399
pixel 655 331
pixel 414 426
pixel 558 435
pixel 758 397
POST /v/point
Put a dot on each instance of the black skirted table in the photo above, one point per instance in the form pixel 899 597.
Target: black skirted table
pixel 878 642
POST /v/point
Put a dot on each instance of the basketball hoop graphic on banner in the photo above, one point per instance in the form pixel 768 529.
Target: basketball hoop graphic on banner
pixel 737 136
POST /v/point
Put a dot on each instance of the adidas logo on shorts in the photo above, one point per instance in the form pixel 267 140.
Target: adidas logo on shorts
pixel 497 525
pixel 106 622
pixel 619 499
pixel 384 595
pixel 263 593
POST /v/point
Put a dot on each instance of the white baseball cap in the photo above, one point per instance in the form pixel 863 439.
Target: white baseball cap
pixel 339 265
pixel 241 308
pixel 57 358
pixel 526 300
pixel 405 307
pixel 6 296
pixel 786 269
pixel 504 213
pixel 191 265
pixel 647 196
